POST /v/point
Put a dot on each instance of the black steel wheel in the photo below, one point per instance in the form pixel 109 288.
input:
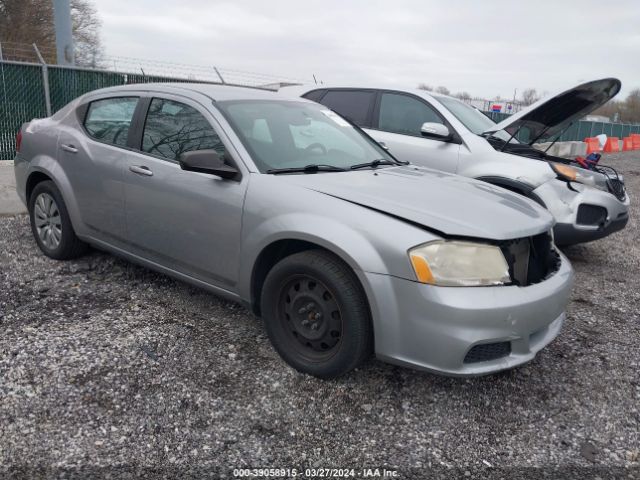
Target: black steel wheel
pixel 316 314
pixel 310 313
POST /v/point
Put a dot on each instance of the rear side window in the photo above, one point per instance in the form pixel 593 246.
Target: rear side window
pixel 314 95
pixel 404 114
pixel 352 104
pixel 108 120
pixel 173 128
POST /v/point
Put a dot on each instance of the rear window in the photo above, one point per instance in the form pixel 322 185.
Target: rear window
pixel 108 120
pixel 352 104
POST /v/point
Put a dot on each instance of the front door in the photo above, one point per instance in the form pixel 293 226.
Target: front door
pixel 398 126
pixel 187 221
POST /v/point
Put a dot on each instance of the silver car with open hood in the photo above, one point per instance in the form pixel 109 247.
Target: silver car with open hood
pixel 284 206
pixel 442 132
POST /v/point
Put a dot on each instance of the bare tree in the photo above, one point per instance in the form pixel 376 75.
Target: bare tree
pixel 626 111
pixel 443 90
pixel 86 33
pixel 529 96
pixel 31 21
pixel 424 86
pixel 631 107
pixel 464 96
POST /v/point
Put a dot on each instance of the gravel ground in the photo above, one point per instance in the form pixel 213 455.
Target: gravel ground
pixel 109 368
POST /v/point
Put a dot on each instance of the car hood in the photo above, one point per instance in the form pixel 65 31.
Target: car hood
pixel 548 117
pixel 448 204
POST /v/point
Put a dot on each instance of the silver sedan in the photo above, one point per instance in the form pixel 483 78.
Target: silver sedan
pixel 288 208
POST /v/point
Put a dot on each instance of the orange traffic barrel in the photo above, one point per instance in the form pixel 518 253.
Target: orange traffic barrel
pixel 612 145
pixel 593 144
pixel 627 144
pixel 635 138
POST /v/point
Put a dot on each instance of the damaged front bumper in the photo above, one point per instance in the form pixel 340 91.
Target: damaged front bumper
pixel 466 331
pixel 582 213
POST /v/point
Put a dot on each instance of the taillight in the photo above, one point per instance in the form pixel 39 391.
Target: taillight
pixel 18 140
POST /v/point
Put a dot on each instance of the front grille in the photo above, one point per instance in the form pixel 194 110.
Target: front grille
pixel 530 259
pixel 616 186
pixel 487 351
pixel 591 214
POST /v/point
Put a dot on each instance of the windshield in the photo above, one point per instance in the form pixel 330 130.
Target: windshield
pixel 476 121
pixel 285 134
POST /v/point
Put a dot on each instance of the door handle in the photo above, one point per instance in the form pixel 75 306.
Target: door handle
pixel 68 148
pixel 141 170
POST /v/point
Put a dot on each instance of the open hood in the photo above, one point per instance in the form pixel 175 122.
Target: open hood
pixel 548 117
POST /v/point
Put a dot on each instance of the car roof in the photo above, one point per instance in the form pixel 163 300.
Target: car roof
pixel 214 91
pixel 298 90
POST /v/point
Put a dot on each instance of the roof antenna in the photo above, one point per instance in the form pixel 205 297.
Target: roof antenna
pixel 314 78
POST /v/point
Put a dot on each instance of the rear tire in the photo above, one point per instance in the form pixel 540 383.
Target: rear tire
pixel 316 314
pixel 51 225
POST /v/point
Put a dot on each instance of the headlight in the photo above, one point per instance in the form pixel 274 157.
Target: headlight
pixel 580 175
pixel 461 264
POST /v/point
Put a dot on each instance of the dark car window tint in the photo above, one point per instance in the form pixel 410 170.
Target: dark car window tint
pixel 353 105
pixel 404 114
pixel 108 120
pixel 173 128
pixel 314 95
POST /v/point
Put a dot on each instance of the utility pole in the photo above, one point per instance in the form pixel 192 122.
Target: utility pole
pixel 64 39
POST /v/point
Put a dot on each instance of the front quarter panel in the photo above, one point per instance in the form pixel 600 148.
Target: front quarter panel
pixel 368 241
pixel 480 161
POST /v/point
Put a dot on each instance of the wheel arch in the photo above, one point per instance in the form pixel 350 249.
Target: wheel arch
pixel 275 251
pixel 34 179
pixel 47 169
pixel 516 186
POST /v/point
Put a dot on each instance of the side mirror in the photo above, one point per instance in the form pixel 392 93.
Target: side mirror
pixel 207 161
pixel 436 131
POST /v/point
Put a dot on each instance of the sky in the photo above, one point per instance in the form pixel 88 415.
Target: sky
pixel 487 48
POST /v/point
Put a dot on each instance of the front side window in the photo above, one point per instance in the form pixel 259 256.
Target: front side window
pixel 351 104
pixel 108 120
pixel 474 120
pixel 404 114
pixel 286 134
pixel 172 128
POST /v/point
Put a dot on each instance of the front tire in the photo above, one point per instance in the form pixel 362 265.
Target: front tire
pixel 316 314
pixel 51 225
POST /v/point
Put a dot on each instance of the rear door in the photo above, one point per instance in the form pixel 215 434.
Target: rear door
pixel 356 105
pixel 187 221
pixel 93 157
pixel 397 122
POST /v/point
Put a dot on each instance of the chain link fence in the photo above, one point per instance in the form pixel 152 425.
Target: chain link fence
pixel 35 91
pixel 31 88
pixel 22 93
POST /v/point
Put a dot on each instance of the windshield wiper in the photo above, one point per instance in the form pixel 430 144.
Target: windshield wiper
pixel 313 168
pixel 375 163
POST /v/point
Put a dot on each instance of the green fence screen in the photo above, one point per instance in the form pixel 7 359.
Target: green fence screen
pixel 22 93
pixel 583 129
